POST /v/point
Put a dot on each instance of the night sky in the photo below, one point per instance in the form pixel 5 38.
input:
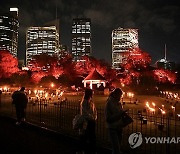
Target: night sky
pixel 158 22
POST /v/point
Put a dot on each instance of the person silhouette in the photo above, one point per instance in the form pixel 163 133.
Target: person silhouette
pixel 88 110
pixel 20 101
pixel 113 114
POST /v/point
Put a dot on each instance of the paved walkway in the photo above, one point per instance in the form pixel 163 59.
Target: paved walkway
pixel 25 140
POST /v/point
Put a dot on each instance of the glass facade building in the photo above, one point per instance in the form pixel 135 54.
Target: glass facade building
pixel 123 40
pixel 41 40
pixel 81 38
pixel 9 26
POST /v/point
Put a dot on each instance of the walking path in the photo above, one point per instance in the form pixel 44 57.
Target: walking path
pixel 28 140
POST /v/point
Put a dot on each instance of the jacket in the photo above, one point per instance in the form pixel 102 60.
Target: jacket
pixel 113 113
pixel 19 99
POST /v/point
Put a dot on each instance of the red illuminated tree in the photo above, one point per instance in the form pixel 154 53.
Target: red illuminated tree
pixel 43 62
pixel 68 66
pixel 88 64
pixel 164 76
pixel 8 64
pixel 45 65
pixel 136 62
pixel 37 76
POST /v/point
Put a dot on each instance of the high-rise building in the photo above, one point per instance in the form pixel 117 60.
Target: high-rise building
pixel 123 41
pixel 81 38
pixel 9 26
pixel 41 40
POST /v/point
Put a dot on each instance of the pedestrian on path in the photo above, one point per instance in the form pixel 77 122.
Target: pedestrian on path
pixel 113 115
pixel 88 110
pixel 20 101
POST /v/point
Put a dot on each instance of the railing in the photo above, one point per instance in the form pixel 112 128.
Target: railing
pixel 58 116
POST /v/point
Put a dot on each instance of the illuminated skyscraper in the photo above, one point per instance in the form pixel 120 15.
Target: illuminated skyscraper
pixel 81 38
pixel 41 40
pixel 122 41
pixel 9 26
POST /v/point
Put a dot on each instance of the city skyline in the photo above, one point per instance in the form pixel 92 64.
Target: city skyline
pixel 157 22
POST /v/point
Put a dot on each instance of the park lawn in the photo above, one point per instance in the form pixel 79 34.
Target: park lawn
pixel 100 101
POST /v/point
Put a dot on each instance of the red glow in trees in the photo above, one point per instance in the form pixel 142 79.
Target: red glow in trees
pixel 8 64
pixel 37 76
pixel 45 65
pixel 68 66
pixel 137 59
pixel 88 64
pixel 164 76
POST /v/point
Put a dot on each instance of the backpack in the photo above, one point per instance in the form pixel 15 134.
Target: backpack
pixel 79 122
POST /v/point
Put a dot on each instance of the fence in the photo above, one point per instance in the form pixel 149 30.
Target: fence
pixel 58 116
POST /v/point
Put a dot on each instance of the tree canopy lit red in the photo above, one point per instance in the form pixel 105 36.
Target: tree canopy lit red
pixel 163 76
pixel 8 64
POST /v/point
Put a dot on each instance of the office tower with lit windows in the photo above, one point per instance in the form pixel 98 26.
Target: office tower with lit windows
pixel 9 26
pixel 81 38
pixel 41 40
pixel 123 41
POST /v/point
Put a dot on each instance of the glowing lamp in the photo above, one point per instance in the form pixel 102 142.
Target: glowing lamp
pixel 147 104
pixel 5 88
pixel 173 107
pixel 163 112
pixel 35 91
pixel 46 95
pixel 153 104
pixel 52 85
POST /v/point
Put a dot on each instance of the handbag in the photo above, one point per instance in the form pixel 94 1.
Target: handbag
pixel 79 122
pixel 125 120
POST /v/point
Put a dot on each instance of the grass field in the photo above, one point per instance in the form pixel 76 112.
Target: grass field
pixel 100 100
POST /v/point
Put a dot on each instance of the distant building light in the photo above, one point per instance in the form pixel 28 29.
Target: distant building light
pixel 14 9
pixel 25 68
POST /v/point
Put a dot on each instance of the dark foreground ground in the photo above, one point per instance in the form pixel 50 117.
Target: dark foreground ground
pixel 28 139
